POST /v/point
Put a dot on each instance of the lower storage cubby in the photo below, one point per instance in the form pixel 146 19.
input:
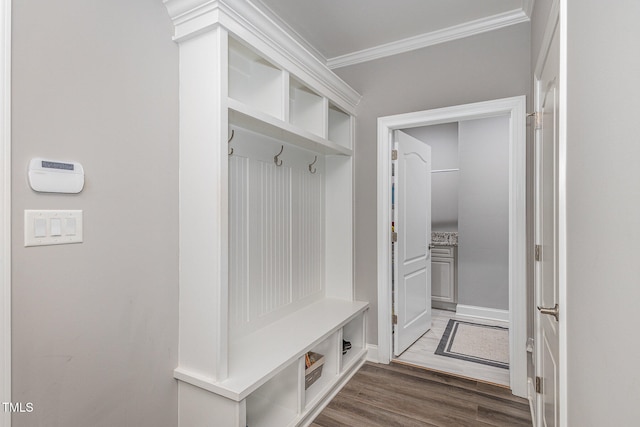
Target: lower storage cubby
pixel 329 350
pixel 275 403
pixel 266 385
pixel 353 334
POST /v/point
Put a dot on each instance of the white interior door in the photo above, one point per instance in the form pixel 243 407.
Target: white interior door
pixel 412 278
pixel 547 328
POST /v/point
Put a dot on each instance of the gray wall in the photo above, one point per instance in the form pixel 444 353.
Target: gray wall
pixel 484 67
pixel 95 325
pixel 483 205
pixel 475 202
pixel 603 213
pixel 443 140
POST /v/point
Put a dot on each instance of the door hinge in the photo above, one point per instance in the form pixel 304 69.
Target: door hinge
pixel 394 319
pixel 538 385
pixel 394 154
pixel 538 253
pixel 537 119
pixel 394 236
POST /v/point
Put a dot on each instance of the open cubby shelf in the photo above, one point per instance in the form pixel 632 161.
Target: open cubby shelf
pixel 255 81
pixel 263 409
pixel 354 333
pixel 258 91
pixel 339 127
pixel 307 110
pixel 253 119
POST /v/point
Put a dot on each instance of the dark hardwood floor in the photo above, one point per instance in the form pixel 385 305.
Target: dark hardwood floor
pixel 406 396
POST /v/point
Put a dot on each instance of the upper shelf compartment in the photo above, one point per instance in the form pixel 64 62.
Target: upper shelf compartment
pixel 307 110
pixel 264 98
pixel 254 81
pixel 252 119
pixel 340 126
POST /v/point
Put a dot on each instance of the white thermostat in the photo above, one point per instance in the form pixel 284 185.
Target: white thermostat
pixel 53 176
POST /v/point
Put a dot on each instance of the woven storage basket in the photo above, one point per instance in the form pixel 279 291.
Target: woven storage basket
pixel 313 372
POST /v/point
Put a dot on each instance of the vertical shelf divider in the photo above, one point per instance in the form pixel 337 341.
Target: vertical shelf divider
pixel 286 94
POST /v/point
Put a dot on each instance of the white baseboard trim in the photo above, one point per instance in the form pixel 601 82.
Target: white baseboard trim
pixel 474 312
pixel 372 355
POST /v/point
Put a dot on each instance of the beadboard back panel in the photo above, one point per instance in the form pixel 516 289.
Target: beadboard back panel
pixel 276 231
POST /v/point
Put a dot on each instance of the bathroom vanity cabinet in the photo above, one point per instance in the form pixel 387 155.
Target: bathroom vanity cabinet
pixel 444 290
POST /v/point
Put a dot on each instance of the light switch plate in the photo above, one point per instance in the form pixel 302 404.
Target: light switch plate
pixel 67 227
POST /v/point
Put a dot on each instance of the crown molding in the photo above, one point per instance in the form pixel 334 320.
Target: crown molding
pixel 245 20
pixel 456 32
pixel 287 28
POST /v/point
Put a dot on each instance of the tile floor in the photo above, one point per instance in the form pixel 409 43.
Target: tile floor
pixel 421 353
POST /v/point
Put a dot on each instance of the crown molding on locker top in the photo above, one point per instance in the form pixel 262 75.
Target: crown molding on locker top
pixel 243 19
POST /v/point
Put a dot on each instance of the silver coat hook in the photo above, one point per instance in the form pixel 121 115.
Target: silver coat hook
pixel 233 132
pixel 276 158
pixel 312 169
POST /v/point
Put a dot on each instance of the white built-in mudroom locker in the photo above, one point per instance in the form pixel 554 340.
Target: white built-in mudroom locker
pixel 269 329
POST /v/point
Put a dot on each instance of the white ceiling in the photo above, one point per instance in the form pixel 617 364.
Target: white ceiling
pixel 339 28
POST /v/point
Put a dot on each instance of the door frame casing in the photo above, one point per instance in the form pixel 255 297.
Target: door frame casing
pixel 5 202
pixel 515 107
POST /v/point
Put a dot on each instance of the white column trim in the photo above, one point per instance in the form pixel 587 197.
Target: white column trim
pixel 5 200
pixel 515 107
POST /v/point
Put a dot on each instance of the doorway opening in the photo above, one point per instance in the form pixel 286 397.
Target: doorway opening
pixel 467 249
pixel 514 109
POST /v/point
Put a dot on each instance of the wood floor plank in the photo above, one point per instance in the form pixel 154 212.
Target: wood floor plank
pixel 479 387
pixel 343 411
pixel 405 396
pixel 439 414
pixel 500 419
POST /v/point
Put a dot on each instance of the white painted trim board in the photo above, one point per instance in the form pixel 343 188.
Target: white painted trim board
pixel 516 108
pixel 5 200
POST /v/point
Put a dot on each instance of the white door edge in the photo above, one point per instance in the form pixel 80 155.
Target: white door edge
pixel 5 202
pixel 515 107
pixel 557 17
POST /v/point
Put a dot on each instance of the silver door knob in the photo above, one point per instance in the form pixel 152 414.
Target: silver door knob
pixel 555 311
